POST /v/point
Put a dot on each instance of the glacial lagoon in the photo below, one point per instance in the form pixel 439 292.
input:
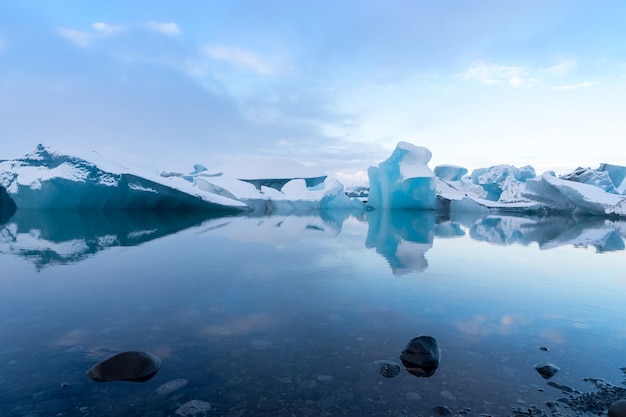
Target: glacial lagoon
pixel 290 315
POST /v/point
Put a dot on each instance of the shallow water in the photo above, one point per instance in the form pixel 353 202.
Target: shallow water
pixel 287 315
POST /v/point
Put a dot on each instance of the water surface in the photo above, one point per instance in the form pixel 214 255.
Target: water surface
pixel 286 315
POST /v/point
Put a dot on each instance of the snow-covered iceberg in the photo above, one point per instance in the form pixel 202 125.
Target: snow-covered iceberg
pixel 404 180
pixel 51 179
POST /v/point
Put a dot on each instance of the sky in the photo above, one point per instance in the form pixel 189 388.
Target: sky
pixel 332 84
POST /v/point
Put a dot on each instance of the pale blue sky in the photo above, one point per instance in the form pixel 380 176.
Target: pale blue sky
pixel 335 84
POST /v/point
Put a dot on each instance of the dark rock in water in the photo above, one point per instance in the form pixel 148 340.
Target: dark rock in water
pixel 7 206
pixel 388 369
pixel 561 387
pixel 618 409
pixel 546 369
pixel 126 366
pixel 421 356
pixel 442 410
pixel 545 349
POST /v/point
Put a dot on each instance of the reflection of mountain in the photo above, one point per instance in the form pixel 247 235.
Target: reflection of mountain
pixel 61 237
pixel 402 237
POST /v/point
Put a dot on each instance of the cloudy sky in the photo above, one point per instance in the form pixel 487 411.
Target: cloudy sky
pixel 333 84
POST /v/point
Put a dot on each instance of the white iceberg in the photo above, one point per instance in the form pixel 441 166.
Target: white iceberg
pixel 51 179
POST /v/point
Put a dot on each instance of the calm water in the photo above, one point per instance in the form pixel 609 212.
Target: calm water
pixel 286 315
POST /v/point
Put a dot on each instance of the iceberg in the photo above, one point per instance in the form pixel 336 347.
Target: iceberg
pixel 271 195
pixel 404 180
pixel 52 179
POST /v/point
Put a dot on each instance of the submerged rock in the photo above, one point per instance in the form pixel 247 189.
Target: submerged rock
pixel 388 369
pixel 193 407
pixel 618 409
pixel 171 386
pixel 126 366
pixel 546 369
pixel 442 410
pixel 421 356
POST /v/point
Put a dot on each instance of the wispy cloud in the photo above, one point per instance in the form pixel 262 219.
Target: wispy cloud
pixel 106 29
pixel 564 67
pixel 77 37
pixel 85 39
pixel 240 57
pixel 169 29
pixel 585 84
pixel 493 74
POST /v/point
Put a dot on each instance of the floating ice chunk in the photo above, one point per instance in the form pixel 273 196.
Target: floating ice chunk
pixel 450 172
pixel 51 179
pixel 588 198
pixel 404 180
pixel 500 179
pixel 617 174
pixel 600 179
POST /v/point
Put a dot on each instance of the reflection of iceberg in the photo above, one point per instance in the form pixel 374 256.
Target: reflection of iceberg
pixel 551 231
pixel 276 229
pixel 402 237
pixel 61 237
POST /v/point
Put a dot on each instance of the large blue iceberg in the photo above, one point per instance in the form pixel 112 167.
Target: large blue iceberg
pixel 404 180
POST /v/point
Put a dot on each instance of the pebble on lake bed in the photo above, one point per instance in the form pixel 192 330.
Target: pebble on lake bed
pixel 547 370
pixel 171 386
pixel 388 369
pixel 421 356
pixel 618 409
pixel 193 407
pixel 126 366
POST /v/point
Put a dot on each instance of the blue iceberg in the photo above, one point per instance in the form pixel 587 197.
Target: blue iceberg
pixel 404 180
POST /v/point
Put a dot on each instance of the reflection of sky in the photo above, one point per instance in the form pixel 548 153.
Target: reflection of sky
pixel 489 306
